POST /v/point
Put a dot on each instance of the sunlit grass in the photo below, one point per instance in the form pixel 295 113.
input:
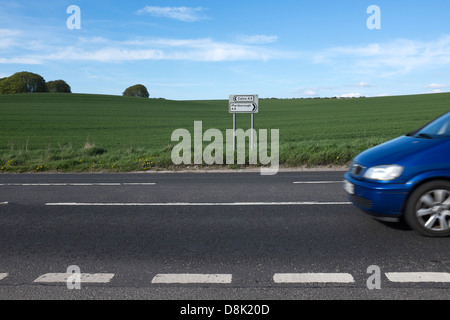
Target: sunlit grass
pixel 90 133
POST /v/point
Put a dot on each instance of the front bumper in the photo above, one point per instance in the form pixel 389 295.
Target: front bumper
pixel 382 200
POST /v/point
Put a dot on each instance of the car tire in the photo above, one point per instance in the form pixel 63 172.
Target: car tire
pixel 427 210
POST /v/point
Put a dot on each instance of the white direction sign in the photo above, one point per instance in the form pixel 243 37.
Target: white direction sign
pixel 243 103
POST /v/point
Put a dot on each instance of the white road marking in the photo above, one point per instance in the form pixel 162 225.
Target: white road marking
pixel 77 184
pixel 313 278
pixel 186 278
pixel 84 277
pixel 280 278
pixel 316 182
pixel 418 276
pixel 4 203
pixel 300 203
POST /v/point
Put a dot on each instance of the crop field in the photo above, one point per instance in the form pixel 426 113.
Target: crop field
pixel 84 133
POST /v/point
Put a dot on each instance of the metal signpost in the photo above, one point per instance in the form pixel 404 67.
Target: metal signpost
pixel 244 103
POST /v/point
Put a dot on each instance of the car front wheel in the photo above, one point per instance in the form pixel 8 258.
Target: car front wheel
pixel 428 209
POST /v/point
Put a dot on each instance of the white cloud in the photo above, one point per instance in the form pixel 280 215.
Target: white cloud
pixel 104 55
pixel 9 38
pixel 104 50
pixel 9 33
pixel 436 86
pixel 350 95
pixel 186 14
pixel 362 84
pixel 21 60
pixel 258 39
pixel 310 93
pixel 387 59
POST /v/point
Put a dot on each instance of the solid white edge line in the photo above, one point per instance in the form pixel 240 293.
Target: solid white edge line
pixel 139 184
pixel 313 278
pixel 197 203
pixel 77 184
pixel 187 278
pixel 3 276
pixel 418 276
pixel 84 277
pixel 315 182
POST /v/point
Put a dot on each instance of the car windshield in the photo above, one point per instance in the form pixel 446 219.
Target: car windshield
pixel 439 128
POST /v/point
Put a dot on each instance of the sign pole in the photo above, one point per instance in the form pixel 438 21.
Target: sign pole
pixel 234 132
pixel 252 137
pixel 243 103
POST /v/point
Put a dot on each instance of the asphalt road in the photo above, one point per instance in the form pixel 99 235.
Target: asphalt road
pixel 202 236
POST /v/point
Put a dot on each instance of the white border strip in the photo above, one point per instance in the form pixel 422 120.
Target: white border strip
pixel 418 276
pixel 84 277
pixel 3 276
pixel 313 278
pixel 197 203
pixel 187 278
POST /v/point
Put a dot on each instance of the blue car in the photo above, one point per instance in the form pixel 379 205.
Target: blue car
pixel 406 178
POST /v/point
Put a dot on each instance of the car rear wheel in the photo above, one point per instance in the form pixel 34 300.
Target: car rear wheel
pixel 428 209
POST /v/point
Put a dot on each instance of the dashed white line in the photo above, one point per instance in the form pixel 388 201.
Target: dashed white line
pixel 300 203
pixel 4 203
pixel 187 278
pixel 313 278
pixel 418 276
pixel 279 278
pixel 84 277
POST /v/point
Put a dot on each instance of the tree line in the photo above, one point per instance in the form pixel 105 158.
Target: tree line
pixel 28 82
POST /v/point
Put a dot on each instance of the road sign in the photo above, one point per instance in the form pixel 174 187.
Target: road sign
pixel 243 104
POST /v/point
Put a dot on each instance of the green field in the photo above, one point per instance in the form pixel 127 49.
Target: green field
pixel 84 133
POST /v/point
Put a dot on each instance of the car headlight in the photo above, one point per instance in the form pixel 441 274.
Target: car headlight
pixel 384 173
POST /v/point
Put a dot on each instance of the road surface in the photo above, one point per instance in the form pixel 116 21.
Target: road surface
pixel 202 236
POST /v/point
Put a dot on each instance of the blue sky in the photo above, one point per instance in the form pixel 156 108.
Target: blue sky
pixel 208 49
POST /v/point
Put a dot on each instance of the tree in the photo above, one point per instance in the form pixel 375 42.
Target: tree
pixel 23 82
pixel 137 90
pixel 58 86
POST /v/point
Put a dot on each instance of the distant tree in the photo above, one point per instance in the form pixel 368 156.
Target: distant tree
pixel 23 82
pixel 58 86
pixel 1 79
pixel 137 90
